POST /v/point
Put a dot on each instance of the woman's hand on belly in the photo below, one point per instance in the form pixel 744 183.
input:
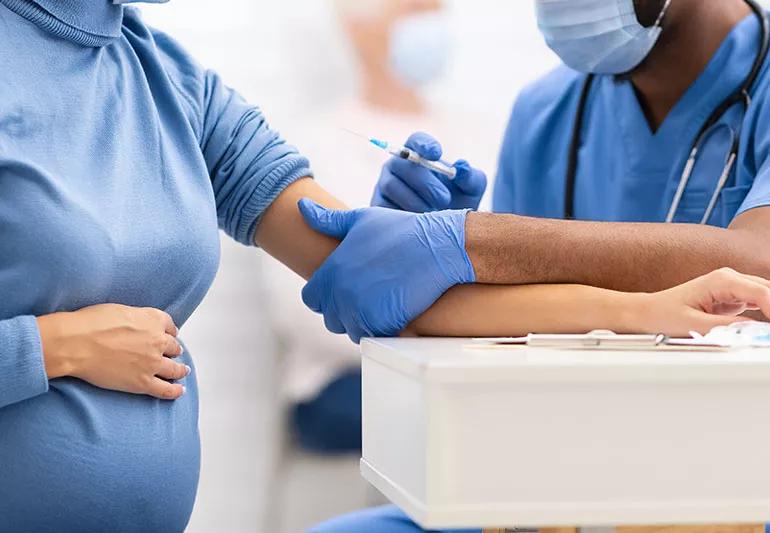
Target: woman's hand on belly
pixel 115 347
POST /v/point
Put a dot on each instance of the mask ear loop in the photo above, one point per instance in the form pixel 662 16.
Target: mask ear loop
pixel 663 11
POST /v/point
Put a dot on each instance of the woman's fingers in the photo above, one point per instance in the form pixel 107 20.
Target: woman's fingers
pixel 728 286
pixel 165 390
pixel 172 347
pixel 761 281
pixel 165 320
pixel 703 322
pixel 172 370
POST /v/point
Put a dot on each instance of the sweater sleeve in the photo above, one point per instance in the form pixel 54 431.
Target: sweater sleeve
pixel 22 370
pixel 249 162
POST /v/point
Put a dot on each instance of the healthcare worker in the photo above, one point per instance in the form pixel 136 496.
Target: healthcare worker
pixel 654 136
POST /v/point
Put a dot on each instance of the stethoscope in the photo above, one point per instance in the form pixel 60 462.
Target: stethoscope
pixel 742 96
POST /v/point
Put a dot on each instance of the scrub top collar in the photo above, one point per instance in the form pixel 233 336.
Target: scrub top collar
pixel 724 73
pixel 92 23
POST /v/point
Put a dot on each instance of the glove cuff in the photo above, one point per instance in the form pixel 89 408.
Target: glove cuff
pixel 445 232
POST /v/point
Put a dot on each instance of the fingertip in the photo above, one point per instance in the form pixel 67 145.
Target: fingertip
pixel 307 206
pixel 764 303
pixel 425 145
pixel 463 167
pixel 174 391
pixel 468 179
pixel 309 297
pixel 188 370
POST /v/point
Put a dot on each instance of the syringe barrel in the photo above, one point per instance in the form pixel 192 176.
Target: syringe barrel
pixel 442 167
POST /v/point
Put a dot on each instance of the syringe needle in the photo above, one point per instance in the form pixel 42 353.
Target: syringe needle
pixel 352 132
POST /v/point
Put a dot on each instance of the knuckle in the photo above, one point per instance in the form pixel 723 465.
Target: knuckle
pixel 153 359
pixel 158 342
pixel 145 382
pixel 164 316
pixel 720 275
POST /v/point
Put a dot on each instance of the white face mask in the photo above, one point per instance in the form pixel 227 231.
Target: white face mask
pixel 597 36
pixel 420 48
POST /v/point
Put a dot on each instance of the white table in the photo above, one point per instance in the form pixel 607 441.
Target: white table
pixel 463 436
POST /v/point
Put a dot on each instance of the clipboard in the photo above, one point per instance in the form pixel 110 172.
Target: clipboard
pixel 604 340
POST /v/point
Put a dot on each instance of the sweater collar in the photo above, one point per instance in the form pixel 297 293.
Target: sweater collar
pixel 86 22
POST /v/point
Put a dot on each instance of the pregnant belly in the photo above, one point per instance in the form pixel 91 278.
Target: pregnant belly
pixel 84 459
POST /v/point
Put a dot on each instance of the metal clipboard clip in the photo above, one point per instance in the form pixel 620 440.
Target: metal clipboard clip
pixel 602 340
pixel 598 339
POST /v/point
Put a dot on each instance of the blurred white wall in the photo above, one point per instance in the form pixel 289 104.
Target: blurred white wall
pixel 290 59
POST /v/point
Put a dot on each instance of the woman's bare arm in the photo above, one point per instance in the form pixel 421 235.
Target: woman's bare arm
pixel 283 233
pixel 496 311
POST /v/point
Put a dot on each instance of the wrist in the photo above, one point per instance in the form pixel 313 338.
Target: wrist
pixel 487 248
pixel 473 244
pixel 631 312
pixel 57 363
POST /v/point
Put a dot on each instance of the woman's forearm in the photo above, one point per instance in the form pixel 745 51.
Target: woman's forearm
pixel 494 310
pixel 284 235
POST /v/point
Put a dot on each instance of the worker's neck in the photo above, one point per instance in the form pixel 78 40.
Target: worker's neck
pixel 692 33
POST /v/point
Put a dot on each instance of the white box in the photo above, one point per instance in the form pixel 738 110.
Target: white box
pixel 459 436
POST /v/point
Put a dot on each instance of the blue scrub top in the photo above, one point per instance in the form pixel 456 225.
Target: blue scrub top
pixel 626 172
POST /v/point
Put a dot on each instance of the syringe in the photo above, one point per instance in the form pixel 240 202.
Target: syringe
pixel 440 166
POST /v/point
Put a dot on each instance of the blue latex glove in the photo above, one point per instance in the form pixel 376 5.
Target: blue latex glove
pixel 410 187
pixel 390 267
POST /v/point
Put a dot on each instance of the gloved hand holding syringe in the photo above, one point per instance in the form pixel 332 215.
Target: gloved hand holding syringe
pixel 440 166
pixel 417 179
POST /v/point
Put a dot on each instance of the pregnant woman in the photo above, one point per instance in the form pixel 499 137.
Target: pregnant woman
pixel 119 159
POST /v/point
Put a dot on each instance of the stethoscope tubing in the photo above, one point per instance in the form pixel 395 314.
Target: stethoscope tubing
pixel 739 96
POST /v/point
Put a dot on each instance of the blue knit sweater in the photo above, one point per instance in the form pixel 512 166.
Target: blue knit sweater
pixel 119 158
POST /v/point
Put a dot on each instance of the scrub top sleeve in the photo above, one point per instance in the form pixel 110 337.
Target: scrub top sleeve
pixel 758 133
pixel 759 194
pixel 250 164
pixel 22 368
pixel 503 195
